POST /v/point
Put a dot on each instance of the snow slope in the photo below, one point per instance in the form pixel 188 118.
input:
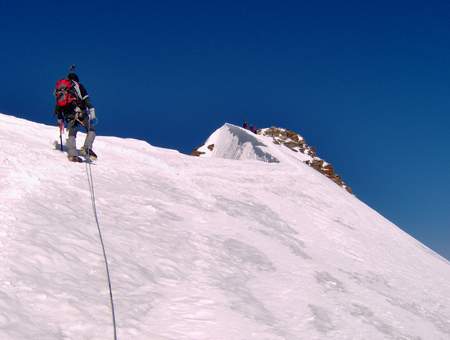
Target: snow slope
pixel 201 248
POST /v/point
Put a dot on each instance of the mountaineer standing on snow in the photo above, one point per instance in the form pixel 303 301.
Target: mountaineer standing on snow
pixel 74 107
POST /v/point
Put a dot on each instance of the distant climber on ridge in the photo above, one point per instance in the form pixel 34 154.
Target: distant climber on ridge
pixel 252 128
pixel 74 107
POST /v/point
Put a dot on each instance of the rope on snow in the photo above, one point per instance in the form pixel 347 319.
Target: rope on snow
pixel 94 208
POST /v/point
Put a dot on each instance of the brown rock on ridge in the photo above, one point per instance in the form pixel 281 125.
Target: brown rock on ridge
pixel 296 143
pixel 196 153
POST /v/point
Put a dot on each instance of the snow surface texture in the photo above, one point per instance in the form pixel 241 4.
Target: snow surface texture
pixel 202 248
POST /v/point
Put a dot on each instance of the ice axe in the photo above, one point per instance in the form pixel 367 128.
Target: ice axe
pixel 61 131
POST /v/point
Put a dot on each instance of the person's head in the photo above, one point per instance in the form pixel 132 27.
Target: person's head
pixel 73 76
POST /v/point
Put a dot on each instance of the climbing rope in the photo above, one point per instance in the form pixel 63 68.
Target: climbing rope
pixel 94 208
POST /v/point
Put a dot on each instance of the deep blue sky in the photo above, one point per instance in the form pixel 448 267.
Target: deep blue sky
pixel 367 84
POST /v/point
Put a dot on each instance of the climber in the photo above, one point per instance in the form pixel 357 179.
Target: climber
pixel 75 109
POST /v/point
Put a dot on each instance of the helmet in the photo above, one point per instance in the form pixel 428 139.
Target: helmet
pixel 73 76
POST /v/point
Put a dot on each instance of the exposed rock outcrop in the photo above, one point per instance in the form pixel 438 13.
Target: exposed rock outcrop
pixel 197 153
pixel 296 143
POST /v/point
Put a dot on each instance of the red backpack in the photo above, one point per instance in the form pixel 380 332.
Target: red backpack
pixel 65 92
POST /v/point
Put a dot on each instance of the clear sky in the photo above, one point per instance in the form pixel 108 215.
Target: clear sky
pixel 368 84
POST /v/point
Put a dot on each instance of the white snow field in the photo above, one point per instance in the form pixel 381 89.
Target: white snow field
pixel 202 248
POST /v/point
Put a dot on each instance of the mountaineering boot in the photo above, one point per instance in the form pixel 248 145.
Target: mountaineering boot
pixel 88 153
pixel 75 159
pixel 86 150
pixel 71 146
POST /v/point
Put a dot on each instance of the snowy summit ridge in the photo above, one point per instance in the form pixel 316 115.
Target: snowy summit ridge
pixel 201 248
pixel 233 142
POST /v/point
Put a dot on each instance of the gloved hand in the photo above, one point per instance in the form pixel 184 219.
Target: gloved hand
pixel 91 113
pixel 78 113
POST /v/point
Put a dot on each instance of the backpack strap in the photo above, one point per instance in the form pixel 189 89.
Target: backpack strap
pixel 76 86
